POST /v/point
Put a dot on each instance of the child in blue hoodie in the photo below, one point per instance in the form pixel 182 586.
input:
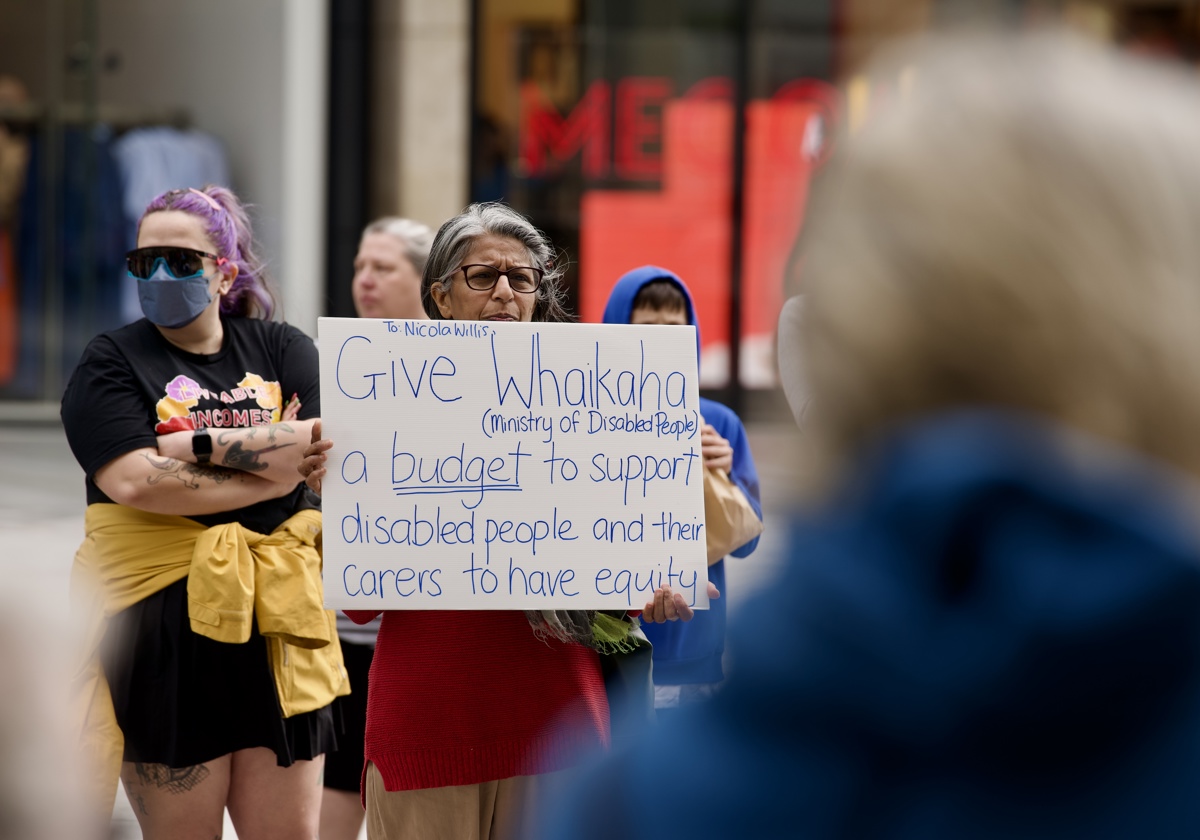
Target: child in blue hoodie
pixel 687 656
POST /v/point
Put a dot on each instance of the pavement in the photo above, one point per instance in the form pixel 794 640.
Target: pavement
pixel 41 525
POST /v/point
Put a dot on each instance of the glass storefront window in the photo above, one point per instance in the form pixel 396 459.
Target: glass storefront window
pixel 63 233
pixel 687 133
pixel 615 126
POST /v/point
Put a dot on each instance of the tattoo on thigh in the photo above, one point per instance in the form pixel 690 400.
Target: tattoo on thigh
pixel 171 779
pixel 136 798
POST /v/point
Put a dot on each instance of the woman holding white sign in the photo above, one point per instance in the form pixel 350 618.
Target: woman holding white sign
pixel 468 711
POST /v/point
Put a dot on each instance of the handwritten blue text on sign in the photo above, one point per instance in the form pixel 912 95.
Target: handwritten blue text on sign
pixel 510 466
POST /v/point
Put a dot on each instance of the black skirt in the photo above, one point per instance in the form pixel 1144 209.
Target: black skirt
pixel 183 699
pixel 344 766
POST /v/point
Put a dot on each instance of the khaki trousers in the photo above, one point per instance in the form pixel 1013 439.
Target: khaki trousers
pixel 500 810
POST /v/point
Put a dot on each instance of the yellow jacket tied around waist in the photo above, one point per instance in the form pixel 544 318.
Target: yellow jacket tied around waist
pixel 235 576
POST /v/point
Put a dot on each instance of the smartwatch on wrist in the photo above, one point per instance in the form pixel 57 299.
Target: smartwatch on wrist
pixel 202 446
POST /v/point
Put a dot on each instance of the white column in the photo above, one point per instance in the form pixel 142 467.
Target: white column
pixel 435 103
pixel 301 268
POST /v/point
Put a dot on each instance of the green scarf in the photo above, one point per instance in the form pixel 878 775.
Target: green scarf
pixel 604 632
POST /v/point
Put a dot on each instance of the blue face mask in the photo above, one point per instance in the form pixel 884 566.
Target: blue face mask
pixel 172 302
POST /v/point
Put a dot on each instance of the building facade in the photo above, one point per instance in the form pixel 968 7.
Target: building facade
pixel 685 133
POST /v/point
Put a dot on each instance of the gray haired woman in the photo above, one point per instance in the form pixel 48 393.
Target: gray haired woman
pixel 469 712
pixel 473 248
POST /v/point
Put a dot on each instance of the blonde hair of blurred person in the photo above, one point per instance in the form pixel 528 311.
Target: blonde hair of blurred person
pixel 1038 253
pixel 988 626
pixel 387 269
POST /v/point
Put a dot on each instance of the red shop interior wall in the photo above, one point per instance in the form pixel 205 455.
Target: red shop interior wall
pixel 686 226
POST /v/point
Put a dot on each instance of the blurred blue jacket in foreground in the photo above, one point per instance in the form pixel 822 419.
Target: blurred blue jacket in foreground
pixel 993 631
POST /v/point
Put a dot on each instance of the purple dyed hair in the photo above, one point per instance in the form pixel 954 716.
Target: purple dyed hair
pixel 251 295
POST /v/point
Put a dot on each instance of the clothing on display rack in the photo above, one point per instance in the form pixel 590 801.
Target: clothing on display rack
pixel 9 325
pixel 14 162
pixel 89 248
pixel 97 184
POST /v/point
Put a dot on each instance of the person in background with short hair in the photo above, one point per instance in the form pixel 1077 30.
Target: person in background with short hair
pixel 387 284
pixel 687 657
pixel 211 687
pixel 387 269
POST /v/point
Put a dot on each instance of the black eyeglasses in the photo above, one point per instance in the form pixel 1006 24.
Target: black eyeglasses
pixel 181 262
pixel 482 278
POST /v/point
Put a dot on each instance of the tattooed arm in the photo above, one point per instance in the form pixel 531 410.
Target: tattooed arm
pixel 145 480
pixel 272 452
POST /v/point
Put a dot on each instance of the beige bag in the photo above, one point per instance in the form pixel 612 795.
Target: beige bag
pixel 729 519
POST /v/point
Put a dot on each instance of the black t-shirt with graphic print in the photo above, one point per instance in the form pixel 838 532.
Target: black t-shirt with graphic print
pixel 132 385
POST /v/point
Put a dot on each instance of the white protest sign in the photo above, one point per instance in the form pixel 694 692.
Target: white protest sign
pixel 510 466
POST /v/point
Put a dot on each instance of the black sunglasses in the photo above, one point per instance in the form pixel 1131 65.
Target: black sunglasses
pixel 482 278
pixel 181 262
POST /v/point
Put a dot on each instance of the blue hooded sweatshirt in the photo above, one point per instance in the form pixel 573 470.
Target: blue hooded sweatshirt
pixel 691 653
pixel 994 632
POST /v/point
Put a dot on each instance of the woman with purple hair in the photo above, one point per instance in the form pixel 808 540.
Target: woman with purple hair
pixel 215 663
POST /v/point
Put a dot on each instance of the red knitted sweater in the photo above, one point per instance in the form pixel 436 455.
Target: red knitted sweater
pixel 462 697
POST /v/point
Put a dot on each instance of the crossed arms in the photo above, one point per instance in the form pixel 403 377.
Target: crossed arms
pixel 249 465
